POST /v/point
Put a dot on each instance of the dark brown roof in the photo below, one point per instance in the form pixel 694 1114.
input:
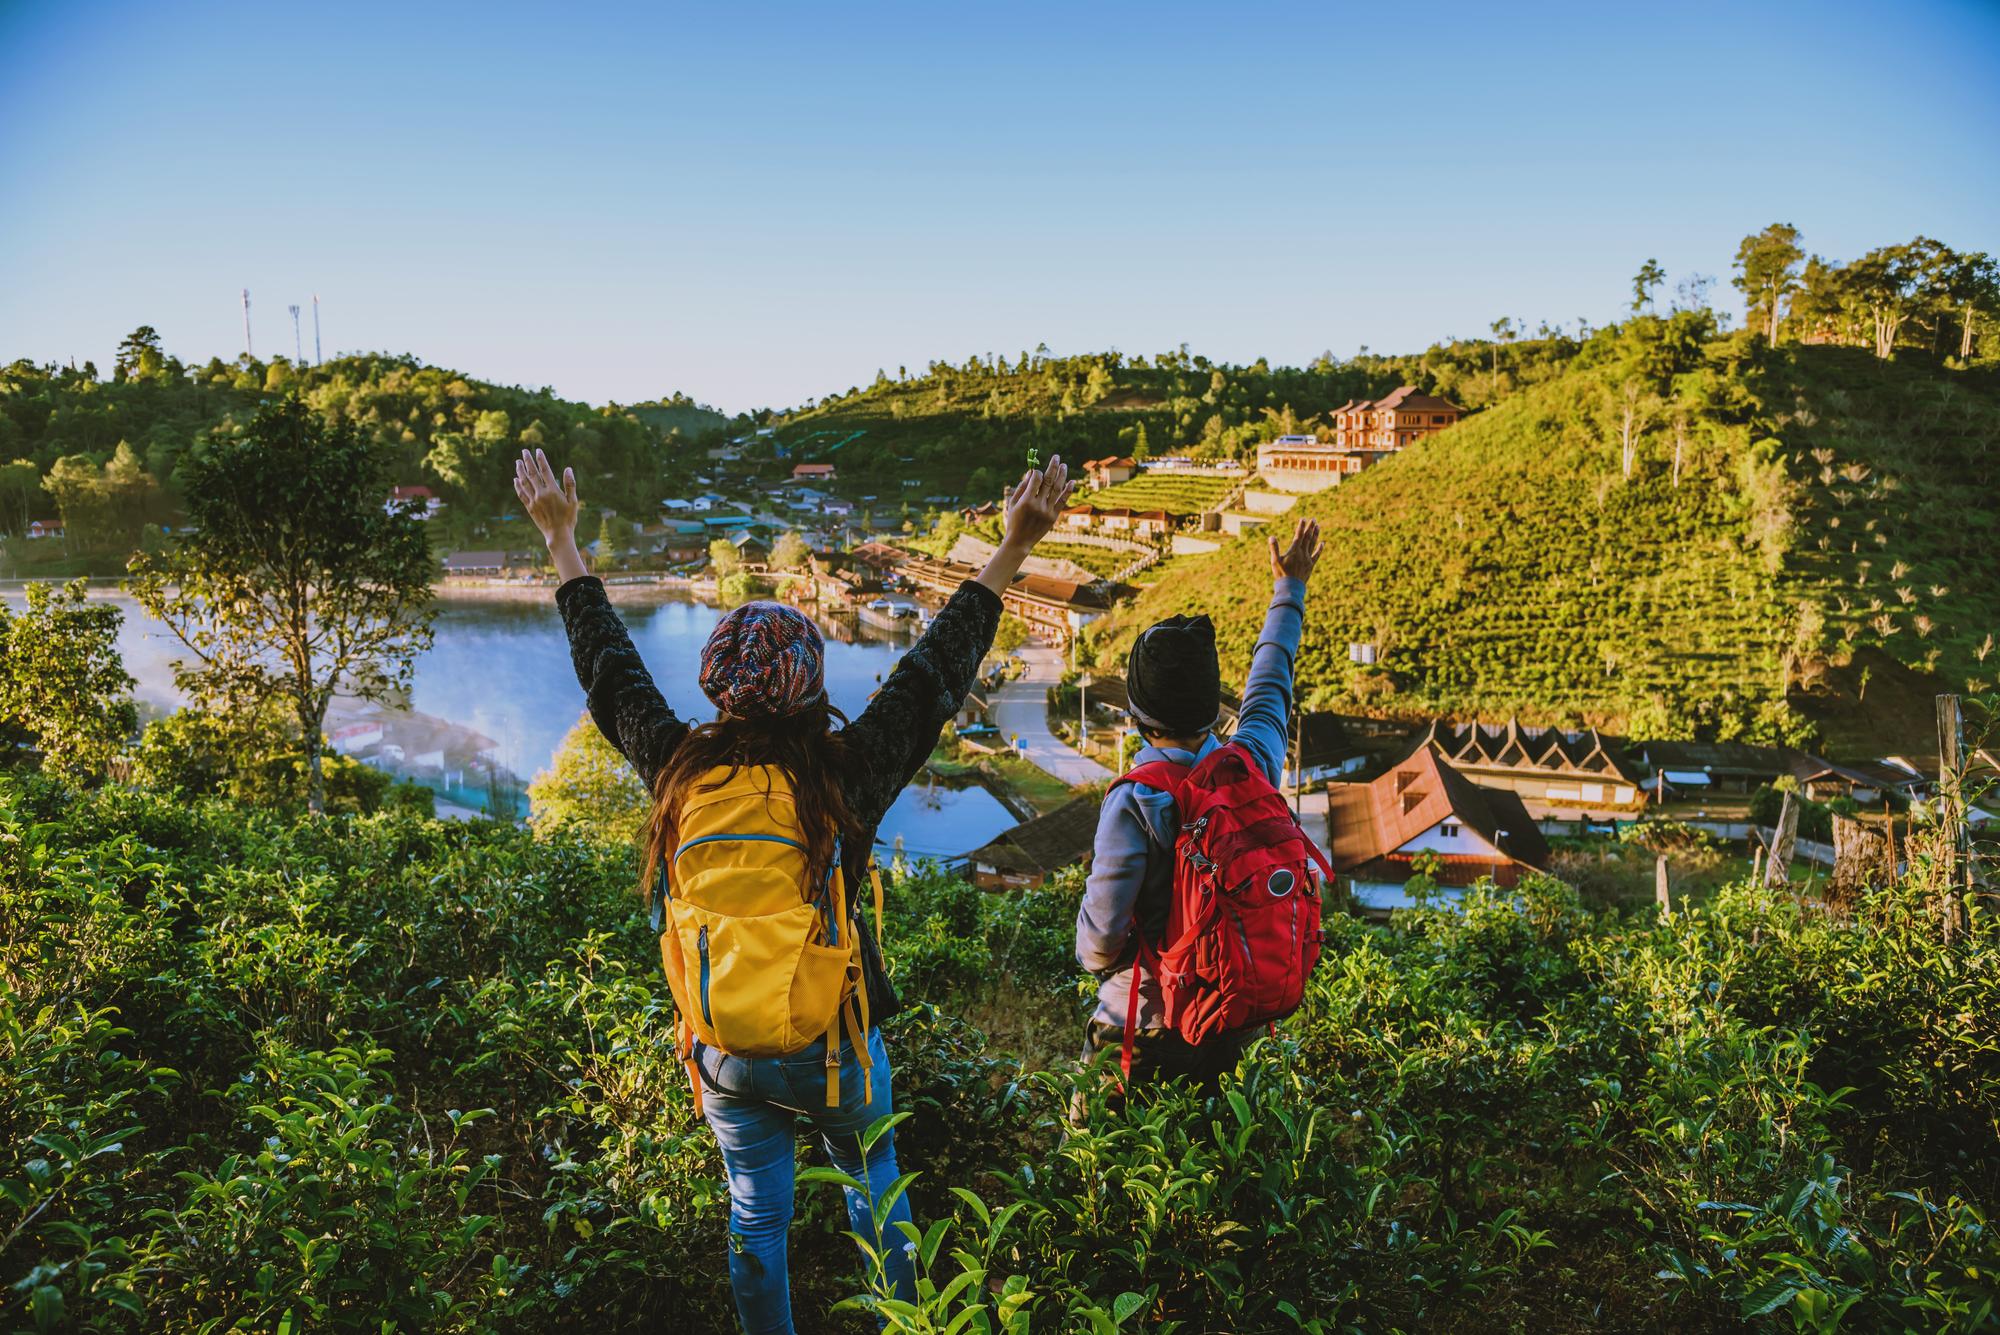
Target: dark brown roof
pixel 1718 757
pixel 1093 594
pixel 878 554
pixel 1408 396
pixel 1366 821
pixel 1046 843
pixel 1866 773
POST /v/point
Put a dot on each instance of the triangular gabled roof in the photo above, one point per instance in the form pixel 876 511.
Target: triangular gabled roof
pixel 1366 821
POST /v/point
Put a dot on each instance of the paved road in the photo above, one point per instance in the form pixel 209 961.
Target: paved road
pixel 1022 708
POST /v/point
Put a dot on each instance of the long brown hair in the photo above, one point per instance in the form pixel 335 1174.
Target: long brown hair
pixel 805 746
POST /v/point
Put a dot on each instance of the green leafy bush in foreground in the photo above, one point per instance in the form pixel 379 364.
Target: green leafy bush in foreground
pixel 387 1073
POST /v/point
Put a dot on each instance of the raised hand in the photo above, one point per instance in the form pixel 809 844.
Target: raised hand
pixel 1297 561
pixel 1036 502
pixel 551 504
pixel 1033 507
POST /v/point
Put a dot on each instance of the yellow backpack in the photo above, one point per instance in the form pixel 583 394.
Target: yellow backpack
pixel 761 964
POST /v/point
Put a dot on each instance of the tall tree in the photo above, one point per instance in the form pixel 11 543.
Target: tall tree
pixel 1633 408
pixel 1884 287
pixel 589 788
pixel 789 552
pixel 20 485
pixel 139 355
pixel 1767 272
pixel 1974 289
pixel 78 488
pixel 294 582
pixel 1649 277
pixel 62 684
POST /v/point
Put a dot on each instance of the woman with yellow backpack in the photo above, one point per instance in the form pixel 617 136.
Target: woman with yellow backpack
pixel 758 853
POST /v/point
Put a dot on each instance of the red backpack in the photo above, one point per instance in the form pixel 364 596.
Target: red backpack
pixel 1243 931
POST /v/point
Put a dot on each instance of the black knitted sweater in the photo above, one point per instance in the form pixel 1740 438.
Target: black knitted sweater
pixel 886 745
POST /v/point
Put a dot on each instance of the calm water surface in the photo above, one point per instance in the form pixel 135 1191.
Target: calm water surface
pixel 499 675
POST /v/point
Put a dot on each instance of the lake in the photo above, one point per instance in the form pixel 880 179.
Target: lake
pixel 495 693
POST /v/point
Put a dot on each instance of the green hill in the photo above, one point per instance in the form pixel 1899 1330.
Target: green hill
pixel 104 455
pixel 1834 523
pixel 968 428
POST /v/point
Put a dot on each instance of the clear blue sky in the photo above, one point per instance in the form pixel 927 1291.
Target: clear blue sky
pixel 763 203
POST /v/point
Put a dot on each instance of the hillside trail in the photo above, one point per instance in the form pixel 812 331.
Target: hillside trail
pixel 1021 709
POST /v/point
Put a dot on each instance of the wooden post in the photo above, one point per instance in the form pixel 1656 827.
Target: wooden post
pixel 1660 887
pixel 1778 871
pixel 1954 836
pixel 1889 833
pixel 1757 865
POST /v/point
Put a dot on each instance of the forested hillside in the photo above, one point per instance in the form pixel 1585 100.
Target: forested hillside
pixel 105 455
pixel 1784 520
pixel 971 425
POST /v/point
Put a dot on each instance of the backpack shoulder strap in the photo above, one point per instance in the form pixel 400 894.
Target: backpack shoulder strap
pixel 1165 775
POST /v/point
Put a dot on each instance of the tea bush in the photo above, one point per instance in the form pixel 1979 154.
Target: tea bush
pixel 264 1071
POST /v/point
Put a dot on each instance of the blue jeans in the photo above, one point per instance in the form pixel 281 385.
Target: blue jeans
pixel 753 1104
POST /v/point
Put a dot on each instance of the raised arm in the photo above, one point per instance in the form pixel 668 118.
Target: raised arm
pixel 624 703
pixel 901 724
pixel 1265 717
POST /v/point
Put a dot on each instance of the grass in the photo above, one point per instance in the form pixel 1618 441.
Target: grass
pixel 1173 569
pixel 1035 786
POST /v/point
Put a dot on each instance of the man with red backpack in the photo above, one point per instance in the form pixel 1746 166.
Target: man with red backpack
pixel 1202 886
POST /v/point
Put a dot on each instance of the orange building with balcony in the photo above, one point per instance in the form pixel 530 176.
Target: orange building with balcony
pixel 1394 422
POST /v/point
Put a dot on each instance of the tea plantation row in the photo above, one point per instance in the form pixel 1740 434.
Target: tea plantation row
pixel 380 1073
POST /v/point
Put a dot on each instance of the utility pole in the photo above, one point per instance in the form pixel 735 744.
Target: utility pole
pixel 1954 834
pixel 316 357
pixel 298 352
pixel 248 350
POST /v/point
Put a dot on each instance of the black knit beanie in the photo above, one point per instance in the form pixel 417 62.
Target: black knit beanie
pixel 1174 682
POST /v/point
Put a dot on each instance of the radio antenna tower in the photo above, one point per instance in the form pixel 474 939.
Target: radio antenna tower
pixel 315 329
pixel 298 353
pixel 248 350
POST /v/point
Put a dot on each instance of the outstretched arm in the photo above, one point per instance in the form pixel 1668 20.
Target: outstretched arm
pixel 901 724
pixel 1267 694
pixel 624 703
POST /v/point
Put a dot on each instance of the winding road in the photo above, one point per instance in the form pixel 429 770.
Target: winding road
pixel 1021 708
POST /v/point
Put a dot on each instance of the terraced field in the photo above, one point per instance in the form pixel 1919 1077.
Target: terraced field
pixel 1176 493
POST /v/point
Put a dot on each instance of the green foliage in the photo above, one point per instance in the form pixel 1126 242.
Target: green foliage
pixel 1011 635
pixel 259 1069
pixel 253 757
pixel 968 427
pixel 1179 494
pixel 63 688
pixel 432 425
pixel 1786 511
pixel 789 552
pixel 294 582
pixel 589 789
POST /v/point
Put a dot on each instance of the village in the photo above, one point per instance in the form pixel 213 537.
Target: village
pixel 1405 807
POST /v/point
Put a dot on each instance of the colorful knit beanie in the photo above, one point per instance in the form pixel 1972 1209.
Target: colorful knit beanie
pixel 763 659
